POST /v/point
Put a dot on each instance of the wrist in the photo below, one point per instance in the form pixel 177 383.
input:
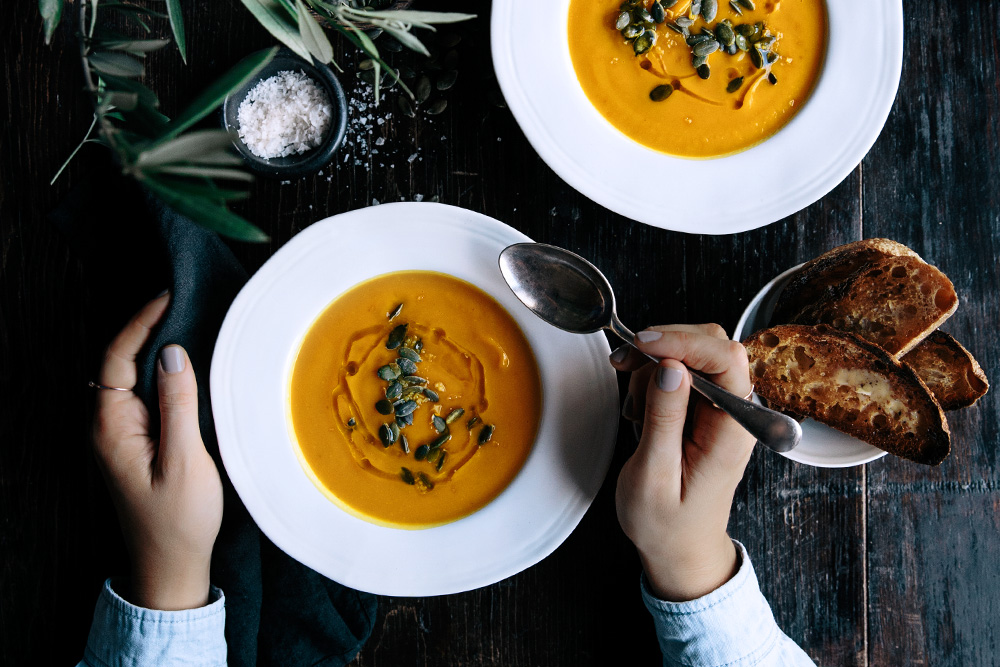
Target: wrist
pixel 171 588
pixel 681 577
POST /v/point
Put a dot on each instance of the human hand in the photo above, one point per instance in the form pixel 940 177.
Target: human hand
pixel 167 490
pixel 675 493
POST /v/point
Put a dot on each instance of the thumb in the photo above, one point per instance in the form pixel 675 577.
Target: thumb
pixel 178 390
pixel 666 411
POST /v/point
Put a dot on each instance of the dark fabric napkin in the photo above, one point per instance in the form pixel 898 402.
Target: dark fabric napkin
pixel 278 611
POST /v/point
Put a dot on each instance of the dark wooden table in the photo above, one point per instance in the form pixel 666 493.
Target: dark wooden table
pixel 885 564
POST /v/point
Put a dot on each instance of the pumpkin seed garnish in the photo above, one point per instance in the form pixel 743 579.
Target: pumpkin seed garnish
pixel 405 444
pixel 385 435
pixel 387 374
pixel 657 11
pixel 440 440
pixel 351 423
pixel 746 4
pixel 454 414
pixel 742 43
pixel 698 61
pixel 441 458
pixel 725 34
pixel 677 28
pixel 410 380
pixel 439 424
pixel 632 31
pixel 384 407
pixel 405 408
pixel 644 42
pixel 667 4
pixel 406 366
pixel 425 482
pixel 431 395
pixel 421 452
pixel 684 21
pixel 396 336
pixel 407 476
pixel 705 48
pixel 408 353
pixel 704 71
pixel 623 21
pixel 695 9
pixel 418 346
pixel 773 79
pixel 472 422
pixel 661 93
pixel 709 8
pixel 394 391
pixel 734 85
pixel 735 7
pixel 486 434
pixel 756 58
pixel 395 311
pixel 434 454
pixel 404 421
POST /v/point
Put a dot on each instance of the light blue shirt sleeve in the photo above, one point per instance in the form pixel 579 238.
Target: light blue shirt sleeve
pixel 123 635
pixel 732 627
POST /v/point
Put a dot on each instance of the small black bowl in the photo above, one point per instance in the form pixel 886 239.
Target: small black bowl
pixel 292 165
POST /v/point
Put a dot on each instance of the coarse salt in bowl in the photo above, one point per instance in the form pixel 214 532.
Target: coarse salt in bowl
pixel 289 119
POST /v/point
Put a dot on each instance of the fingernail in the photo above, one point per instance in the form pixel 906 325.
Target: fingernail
pixel 627 407
pixel 161 294
pixel 649 336
pixel 619 355
pixel 669 378
pixel 172 359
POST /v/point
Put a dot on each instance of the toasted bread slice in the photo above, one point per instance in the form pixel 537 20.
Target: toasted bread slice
pixel 846 382
pixel 951 373
pixel 817 277
pixel 894 303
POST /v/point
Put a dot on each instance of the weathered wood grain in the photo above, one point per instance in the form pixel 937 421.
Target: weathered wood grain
pixel 891 564
pixel 933 539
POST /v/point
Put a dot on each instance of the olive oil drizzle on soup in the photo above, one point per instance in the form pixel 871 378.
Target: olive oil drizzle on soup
pixel 372 389
pixel 700 117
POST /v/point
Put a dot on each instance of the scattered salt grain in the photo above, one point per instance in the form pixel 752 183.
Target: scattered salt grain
pixel 285 114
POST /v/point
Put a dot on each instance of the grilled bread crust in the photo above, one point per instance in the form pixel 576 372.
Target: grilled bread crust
pixel 894 303
pixel 817 277
pixel 850 384
pixel 949 370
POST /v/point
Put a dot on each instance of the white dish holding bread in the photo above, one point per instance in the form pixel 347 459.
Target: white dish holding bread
pixel 821 445
pixel 851 339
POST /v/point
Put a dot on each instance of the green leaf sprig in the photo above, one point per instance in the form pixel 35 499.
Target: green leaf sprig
pixel 184 168
pixel 298 26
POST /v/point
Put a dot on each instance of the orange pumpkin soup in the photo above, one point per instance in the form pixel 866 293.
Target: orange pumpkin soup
pixel 414 399
pixel 693 87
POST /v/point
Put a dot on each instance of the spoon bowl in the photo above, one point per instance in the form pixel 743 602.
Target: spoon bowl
pixel 572 294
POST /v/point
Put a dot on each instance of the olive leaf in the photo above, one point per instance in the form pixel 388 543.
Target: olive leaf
pixel 212 96
pixel 51 11
pixel 177 26
pixel 415 17
pixel 312 35
pixel 116 64
pixel 133 46
pixel 276 19
pixel 206 211
pixel 201 147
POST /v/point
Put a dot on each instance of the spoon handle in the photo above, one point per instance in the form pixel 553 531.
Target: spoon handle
pixel 772 429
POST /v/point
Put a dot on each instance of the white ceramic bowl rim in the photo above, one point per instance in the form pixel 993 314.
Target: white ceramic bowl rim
pixel 806 159
pixel 251 367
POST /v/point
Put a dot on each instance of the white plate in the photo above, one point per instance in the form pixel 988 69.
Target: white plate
pixel 806 159
pixel 251 368
pixel 821 446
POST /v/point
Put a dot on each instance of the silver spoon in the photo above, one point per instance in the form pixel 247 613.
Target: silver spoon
pixel 569 292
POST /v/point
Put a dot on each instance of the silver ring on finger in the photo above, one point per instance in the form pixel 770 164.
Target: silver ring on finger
pixel 95 385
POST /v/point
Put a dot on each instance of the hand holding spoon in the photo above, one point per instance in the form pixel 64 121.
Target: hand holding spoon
pixel 570 293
